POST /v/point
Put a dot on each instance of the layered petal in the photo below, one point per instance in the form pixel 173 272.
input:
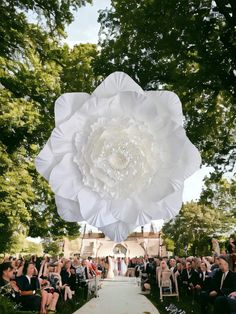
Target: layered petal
pixel 115 83
pixel 117 231
pixel 46 160
pixel 62 137
pixel 67 104
pixel 96 213
pixel 168 105
pixel 68 210
pixel 65 179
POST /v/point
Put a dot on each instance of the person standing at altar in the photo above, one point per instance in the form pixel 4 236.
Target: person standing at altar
pixel 110 273
pixel 123 267
pixel 119 265
pixel 115 269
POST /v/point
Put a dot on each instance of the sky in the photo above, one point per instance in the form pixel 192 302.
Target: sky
pixel 85 27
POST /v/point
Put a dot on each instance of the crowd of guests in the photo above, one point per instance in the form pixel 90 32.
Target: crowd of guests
pixel 37 284
pixel 209 281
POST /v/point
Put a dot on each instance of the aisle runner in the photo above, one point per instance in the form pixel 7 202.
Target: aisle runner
pixel 119 296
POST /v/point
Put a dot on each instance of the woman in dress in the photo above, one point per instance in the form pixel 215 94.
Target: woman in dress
pixel 110 273
pixel 115 266
pixel 123 267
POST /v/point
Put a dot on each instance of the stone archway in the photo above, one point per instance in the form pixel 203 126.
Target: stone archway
pixel 119 249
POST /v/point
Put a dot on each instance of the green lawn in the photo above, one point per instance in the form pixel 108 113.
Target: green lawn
pixel 186 304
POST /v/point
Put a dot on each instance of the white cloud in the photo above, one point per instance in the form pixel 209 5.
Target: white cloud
pixel 85 27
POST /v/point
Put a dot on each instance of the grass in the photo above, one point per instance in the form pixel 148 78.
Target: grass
pixel 186 304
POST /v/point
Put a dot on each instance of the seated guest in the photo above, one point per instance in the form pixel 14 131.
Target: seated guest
pixel 68 278
pixel 80 273
pixel 223 284
pixel 215 266
pixel 43 267
pixel 189 277
pixel 89 273
pixel 203 279
pixel 19 267
pixel 225 304
pixel 8 287
pixel 28 285
pixel 54 286
pixel 172 264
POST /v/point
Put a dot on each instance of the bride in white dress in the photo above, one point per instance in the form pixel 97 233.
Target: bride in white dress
pixel 123 267
pixel 115 267
pixel 110 273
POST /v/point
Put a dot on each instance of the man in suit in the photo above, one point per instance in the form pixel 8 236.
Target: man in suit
pixel 189 278
pixel 203 279
pixel 223 284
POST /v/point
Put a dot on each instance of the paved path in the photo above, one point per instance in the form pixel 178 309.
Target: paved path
pixel 119 296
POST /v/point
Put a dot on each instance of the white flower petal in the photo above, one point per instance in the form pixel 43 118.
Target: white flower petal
pixel 172 204
pixel 68 210
pixel 67 104
pixel 171 146
pixel 117 231
pixel 96 213
pixel 166 208
pixel 191 160
pixel 157 189
pixel 115 83
pixel 188 163
pixel 46 160
pixel 143 218
pixel 168 105
pixel 125 210
pixel 132 104
pixel 62 136
pixel 65 179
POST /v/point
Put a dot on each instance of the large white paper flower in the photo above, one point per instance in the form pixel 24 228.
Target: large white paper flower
pixel 118 158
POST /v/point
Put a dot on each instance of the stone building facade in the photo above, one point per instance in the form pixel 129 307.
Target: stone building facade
pixel 96 244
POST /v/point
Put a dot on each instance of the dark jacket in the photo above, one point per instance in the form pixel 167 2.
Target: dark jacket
pixel 229 284
pixel 205 283
pixel 24 285
pixel 191 278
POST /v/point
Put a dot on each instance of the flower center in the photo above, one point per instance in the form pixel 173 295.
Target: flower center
pixel 118 157
pixel 118 161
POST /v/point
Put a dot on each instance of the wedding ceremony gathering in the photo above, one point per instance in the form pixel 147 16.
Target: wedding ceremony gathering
pixel 118 157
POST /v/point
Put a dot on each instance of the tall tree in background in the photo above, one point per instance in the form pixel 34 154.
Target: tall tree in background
pixel 220 194
pixel 185 46
pixel 194 227
pixel 33 73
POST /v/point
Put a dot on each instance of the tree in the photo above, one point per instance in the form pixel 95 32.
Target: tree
pixel 77 73
pixel 220 193
pixel 194 227
pixel 51 248
pixel 52 16
pixel 185 46
pixel 33 73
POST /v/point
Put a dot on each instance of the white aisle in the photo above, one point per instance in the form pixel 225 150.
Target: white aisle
pixel 119 296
